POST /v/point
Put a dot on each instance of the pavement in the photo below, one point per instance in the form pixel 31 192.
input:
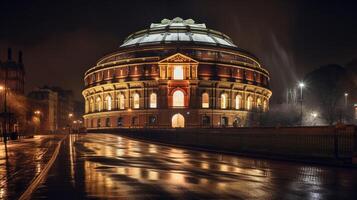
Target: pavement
pixel 22 161
pixel 106 166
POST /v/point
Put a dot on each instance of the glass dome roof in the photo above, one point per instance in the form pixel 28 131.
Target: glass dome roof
pixel 178 30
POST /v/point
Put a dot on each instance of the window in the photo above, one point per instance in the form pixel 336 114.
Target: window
pixel 178 99
pixel 107 122
pixel 91 105
pixel 205 100
pixel 98 123
pixel 108 103
pixel 120 121
pixel 152 120
pixel 153 100
pixel 259 104
pixel 206 121
pixel 224 121
pixel 265 105
pixel 136 100
pixel 249 103
pixel 121 102
pixel 98 104
pixel 224 101
pixel 178 72
pixel 238 102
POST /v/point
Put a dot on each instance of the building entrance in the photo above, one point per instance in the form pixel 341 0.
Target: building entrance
pixel 178 121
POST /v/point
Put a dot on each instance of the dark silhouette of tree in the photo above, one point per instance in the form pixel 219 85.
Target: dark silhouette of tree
pixel 325 91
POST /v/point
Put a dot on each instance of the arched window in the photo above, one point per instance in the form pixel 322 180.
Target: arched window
pixel 178 121
pixel 108 103
pixel 153 100
pixel 238 102
pixel 265 105
pixel 178 72
pixel 205 100
pixel 224 101
pixel 121 101
pixel 249 103
pixel 91 105
pixel 98 104
pixel 136 100
pixel 178 99
pixel 259 104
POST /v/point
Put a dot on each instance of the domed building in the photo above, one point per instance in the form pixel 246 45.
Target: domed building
pixel 175 74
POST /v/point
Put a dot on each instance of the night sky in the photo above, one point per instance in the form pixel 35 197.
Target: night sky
pixel 61 40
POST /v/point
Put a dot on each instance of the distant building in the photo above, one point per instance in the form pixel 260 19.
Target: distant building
pixel 44 103
pixel 55 106
pixel 12 81
pixel 65 106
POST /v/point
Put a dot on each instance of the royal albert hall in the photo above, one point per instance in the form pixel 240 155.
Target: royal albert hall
pixel 175 74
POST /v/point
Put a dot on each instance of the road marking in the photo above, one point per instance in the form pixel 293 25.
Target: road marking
pixel 38 179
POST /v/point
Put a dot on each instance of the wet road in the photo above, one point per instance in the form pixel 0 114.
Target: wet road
pixel 23 160
pixel 104 166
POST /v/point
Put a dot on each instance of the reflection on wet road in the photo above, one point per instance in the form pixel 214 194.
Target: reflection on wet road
pixel 104 166
pixel 22 161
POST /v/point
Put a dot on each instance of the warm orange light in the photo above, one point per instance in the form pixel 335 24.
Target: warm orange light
pixel 37 112
pixel 70 115
pixel 2 88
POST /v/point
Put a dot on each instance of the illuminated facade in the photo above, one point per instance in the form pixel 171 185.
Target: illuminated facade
pixel 175 74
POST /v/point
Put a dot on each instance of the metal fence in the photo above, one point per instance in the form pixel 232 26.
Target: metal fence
pixel 304 142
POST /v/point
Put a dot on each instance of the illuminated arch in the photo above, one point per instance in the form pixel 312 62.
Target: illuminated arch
pixel 178 99
pixel 121 102
pixel 153 100
pixel 178 121
pixel 98 104
pixel 249 103
pixel 91 105
pixel 224 101
pixel 108 103
pixel 238 102
pixel 136 100
pixel 205 100
pixel 259 104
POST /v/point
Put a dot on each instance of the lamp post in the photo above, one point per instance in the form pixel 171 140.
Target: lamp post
pixel 301 86
pixel 70 115
pixel 346 99
pixel 38 114
pixel 346 104
pixel 3 89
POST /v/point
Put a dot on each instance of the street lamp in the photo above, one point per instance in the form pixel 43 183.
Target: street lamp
pixel 301 86
pixel 38 114
pixel 346 97
pixel 3 89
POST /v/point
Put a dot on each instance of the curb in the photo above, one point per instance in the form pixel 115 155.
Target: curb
pixel 38 179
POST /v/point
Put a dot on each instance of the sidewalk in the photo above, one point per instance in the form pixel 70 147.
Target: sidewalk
pixel 23 161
